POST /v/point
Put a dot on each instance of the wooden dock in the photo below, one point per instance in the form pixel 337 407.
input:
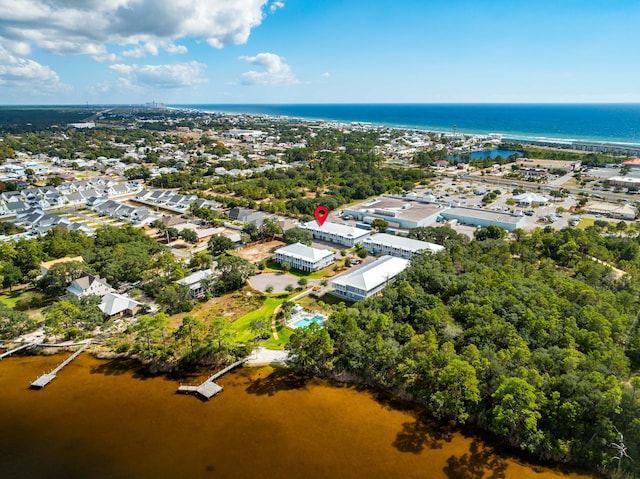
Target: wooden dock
pixel 209 388
pixel 15 350
pixel 46 378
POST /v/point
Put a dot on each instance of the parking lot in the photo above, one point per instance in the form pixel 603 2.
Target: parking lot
pixel 469 192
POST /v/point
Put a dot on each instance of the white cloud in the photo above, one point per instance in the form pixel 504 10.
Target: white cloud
pixel 275 5
pixel 68 27
pixel 326 75
pixel 275 71
pixel 173 49
pixel 26 74
pixel 18 48
pixel 107 57
pixel 141 51
pixel 168 76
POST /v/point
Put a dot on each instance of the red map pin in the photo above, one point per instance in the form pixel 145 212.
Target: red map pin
pixel 321 213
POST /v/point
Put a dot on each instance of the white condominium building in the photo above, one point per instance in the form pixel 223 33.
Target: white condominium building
pixel 398 245
pixel 370 279
pixel 345 235
pixel 304 258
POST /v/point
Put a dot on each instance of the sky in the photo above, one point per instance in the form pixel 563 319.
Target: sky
pixel 318 51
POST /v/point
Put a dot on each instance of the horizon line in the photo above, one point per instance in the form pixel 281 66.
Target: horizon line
pixel 480 103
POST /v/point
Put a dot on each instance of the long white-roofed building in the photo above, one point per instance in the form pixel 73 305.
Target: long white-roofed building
pixel 345 235
pixel 369 280
pixel 383 243
pixel 303 257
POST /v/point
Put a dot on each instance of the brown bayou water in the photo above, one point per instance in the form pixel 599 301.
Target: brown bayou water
pixel 101 419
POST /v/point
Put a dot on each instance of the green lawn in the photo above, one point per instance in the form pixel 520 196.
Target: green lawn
pixel 585 223
pixel 10 299
pixel 242 325
pixel 284 334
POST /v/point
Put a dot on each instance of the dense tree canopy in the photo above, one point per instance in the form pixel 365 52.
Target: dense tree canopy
pixel 531 339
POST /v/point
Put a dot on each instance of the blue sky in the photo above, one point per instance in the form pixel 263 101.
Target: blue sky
pixel 312 51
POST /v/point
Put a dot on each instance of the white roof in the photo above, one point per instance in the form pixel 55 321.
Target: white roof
pixel 113 303
pixel 624 179
pixel 378 272
pixel 195 277
pixel 411 244
pixel 301 251
pixel 346 231
pixel 624 208
pixel 531 198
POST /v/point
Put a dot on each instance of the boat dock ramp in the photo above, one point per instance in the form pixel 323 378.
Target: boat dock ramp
pixel 209 388
pixel 46 378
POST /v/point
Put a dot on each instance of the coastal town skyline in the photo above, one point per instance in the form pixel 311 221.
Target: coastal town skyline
pixel 264 51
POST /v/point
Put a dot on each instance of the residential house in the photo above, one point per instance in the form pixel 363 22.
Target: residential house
pixel 89 284
pixel 15 207
pixel 49 221
pixel 117 305
pixel 248 216
pixel 194 282
pixel 81 227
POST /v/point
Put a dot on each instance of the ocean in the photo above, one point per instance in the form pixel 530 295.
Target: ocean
pixel 609 123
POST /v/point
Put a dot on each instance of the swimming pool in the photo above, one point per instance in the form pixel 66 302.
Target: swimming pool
pixel 304 322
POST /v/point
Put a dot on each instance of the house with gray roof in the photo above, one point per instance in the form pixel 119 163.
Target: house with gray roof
pixel 30 219
pixel 74 198
pixel 194 281
pixel 15 207
pixel 81 227
pixel 49 221
pixel 142 216
pixel 248 216
pixel 117 305
pixel 89 284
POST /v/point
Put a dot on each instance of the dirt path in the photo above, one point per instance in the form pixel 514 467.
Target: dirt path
pixel 618 272
pixel 274 329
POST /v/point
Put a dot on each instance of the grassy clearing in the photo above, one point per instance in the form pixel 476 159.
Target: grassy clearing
pixel 230 306
pixel 319 305
pixel 10 299
pixel 585 223
pixel 242 326
pixel 284 334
